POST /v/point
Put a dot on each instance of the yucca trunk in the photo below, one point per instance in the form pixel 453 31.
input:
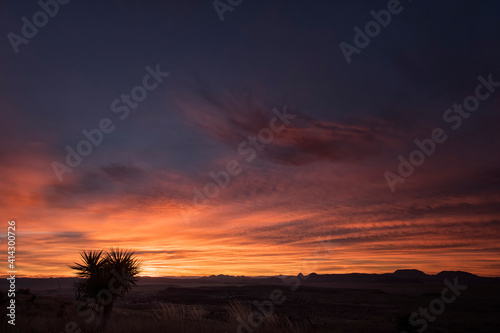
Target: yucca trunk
pixel 106 315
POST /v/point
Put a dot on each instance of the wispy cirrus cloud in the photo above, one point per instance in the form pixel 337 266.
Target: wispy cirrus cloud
pixel 230 118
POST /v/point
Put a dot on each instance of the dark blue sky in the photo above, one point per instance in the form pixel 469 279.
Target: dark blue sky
pixel 353 120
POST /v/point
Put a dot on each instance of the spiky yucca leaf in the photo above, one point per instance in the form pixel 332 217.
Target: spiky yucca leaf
pixel 92 262
pixel 125 264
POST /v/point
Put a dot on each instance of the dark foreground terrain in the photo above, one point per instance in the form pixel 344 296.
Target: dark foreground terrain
pixel 317 303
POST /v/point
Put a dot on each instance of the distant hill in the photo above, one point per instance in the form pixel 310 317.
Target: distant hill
pixel 410 274
pixel 400 275
pixel 358 280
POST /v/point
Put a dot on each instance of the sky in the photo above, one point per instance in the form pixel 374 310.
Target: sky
pixel 307 125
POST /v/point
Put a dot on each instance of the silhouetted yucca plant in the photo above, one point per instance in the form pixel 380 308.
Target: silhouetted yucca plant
pixel 106 276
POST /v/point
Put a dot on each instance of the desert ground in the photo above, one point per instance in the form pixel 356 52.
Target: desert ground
pixel 214 304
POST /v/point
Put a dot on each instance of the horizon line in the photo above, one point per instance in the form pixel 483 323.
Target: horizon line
pixel 249 276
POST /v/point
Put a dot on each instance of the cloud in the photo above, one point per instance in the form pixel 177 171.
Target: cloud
pixel 122 173
pixel 230 118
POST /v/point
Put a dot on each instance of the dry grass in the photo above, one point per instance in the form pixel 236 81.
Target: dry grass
pixel 178 312
pixel 48 314
pixel 238 312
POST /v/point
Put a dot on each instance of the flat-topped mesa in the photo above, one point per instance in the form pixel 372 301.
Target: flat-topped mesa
pixel 410 274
